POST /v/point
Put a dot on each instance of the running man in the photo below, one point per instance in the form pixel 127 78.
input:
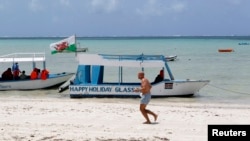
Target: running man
pixel 145 98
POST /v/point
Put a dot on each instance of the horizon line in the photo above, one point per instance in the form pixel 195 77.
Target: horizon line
pixel 125 36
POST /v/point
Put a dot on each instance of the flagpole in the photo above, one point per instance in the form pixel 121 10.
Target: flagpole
pixel 76 45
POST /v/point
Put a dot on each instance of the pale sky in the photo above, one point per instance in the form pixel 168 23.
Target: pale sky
pixel 124 17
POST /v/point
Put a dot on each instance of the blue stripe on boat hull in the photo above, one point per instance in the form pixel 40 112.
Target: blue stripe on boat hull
pixel 122 96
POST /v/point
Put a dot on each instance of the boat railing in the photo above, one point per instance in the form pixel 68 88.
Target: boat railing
pixel 134 57
pixel 23 57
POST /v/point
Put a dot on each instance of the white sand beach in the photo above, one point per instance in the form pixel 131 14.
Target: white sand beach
pixel 96 119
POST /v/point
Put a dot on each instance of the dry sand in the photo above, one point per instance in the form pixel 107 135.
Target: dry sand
pixel 90 119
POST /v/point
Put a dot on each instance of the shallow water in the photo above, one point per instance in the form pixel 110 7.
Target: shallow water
pixel 198 58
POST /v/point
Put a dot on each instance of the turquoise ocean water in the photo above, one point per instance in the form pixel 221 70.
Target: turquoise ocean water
pixel 198 58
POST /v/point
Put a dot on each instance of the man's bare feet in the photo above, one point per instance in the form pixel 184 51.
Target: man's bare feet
pixel 147 122
pixel 156 116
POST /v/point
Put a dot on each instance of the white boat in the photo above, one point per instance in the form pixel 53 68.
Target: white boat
pixel 91 79
pixel 171 57
pixel 28 84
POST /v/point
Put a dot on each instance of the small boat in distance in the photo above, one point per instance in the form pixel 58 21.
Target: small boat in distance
pixel 244 43
pixel 27 83
pixel 171 57
pixel 103 75
pixel 226 50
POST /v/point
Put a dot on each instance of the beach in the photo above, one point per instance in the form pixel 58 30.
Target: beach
pixel 68 119
pixel 47 115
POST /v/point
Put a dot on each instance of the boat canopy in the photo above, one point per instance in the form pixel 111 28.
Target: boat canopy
pixel 23 57
pixel 122 60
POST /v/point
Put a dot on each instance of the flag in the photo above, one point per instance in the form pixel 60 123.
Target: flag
pixel 68 44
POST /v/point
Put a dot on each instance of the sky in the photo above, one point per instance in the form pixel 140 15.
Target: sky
pixel 36 18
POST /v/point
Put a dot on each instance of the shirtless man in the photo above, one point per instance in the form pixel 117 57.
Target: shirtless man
pixel 145 97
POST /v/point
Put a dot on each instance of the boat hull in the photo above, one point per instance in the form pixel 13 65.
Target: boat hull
pixel 171 58
pixel 162 89
pixel 54 79
pixel 226 50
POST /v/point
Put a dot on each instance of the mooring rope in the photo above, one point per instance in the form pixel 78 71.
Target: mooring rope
pixel 229 90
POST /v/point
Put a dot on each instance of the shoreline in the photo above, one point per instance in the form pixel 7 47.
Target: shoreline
pixel 81 119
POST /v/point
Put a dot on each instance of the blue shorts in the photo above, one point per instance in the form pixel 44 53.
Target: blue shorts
pixel 145 98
